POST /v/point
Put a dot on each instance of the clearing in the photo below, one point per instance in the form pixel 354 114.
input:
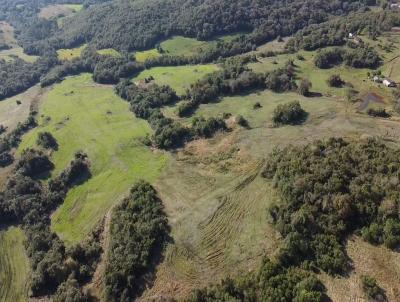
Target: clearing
pixel 59 10
pixel 14 265
pixel 70 53
pixel 178 77
pixel 11 113
pixel 15 50
pixel 85 116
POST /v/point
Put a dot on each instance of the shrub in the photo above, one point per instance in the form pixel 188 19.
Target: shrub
pixel 289 114
pixel 242 121
pixel 47 141
pixel 335 81
pixel 380 112
pixel 304 87
pixel 33 163
pixel 371 289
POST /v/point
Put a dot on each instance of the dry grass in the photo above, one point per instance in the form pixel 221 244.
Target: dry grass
pixel 375 261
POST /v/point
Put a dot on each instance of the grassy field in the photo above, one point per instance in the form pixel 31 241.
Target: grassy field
pixel 179 78
pixel 85 116
pixel 182 46
pixel 69 54
pixel 14 265
pixel 11 113
pixel 109 52
pixel 142 56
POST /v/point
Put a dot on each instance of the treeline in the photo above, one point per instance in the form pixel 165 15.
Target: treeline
pixel 270 283
pixel 329 190
pixel 362 56
pixel 236 78
pixel 139 233
pixel 12 139
pixel 17 75
pixel 134 25
pixel 334 32
pixel 29 202
pixel 146 103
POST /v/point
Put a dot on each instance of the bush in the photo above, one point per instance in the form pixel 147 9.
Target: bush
pixel 371 289
pixel 33 163
pixel 289 114
pixel 242 121
pixel 380 112
pixel 304 87
pixel 335 81
pixel 47 141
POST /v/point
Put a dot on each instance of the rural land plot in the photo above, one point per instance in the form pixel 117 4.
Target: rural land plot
pixel 178 77
pixel 86 116
pixel 14 264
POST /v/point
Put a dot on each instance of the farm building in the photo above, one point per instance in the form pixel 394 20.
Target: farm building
pixel 389 83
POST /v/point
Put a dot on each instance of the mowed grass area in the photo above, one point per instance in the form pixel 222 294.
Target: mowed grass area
pixel 14 264
pixel 179 78
pixel 84 116
pixel 71 53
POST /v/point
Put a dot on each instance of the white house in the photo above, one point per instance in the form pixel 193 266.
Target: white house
pixel 389 83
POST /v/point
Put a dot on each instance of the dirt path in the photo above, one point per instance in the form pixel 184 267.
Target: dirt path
pixel 95 287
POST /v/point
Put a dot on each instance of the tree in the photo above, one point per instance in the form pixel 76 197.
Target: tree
pixel 289 114
pixel 47 141
pixel 304 87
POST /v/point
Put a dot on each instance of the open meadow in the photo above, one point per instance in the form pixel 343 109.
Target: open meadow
pixel 178 77
pixel 89 117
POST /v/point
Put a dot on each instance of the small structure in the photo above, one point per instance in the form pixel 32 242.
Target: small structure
pixel 356 39
pixel 394 5
pixel 389 83
pixel 377 79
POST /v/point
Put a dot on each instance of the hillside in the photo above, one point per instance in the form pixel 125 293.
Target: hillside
pixel 198 150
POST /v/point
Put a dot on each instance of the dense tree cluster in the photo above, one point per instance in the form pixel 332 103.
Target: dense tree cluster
pixel 289 114
pixel 335 31
pixel 17 75
pixel 273 282
pixel 138 233
pixel 234 78
pixel 281 79
pixel 146 103
pixel 361 56
pixel 330 189
pixel 129 25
